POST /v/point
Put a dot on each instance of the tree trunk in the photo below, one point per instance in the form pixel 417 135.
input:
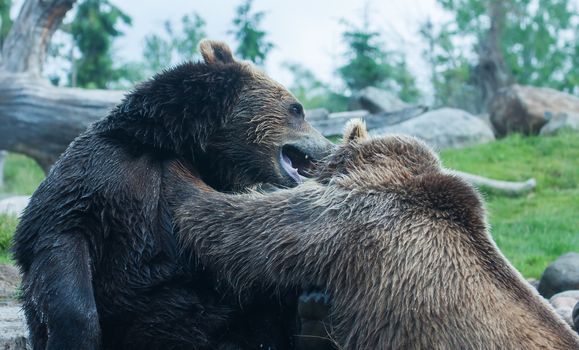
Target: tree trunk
pixel 36 118
pixel 491 72
pixel 25 46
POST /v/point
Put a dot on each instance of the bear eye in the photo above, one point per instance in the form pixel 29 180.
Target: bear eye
pixel 296 109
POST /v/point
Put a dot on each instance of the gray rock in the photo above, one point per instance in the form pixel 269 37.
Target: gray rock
pixel 568 298
pixel 14 205
pixel 9 282
pixel 533 282
pixel 575 317
pixel 349 115
pixel 561 275
pixel 565 314
pixel 444 128
pixel 564 303
pixel 317 114
pixel 527 109
pixel 334 124
pixel 561 121
pixel 13 331
pixel 376 101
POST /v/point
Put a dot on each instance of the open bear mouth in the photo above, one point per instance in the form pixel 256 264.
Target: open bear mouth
pixel 296 163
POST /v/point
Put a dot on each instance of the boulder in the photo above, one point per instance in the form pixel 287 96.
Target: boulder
pixel 317 114
pixel 564 303
pixel 561 275
pixel 533 282
pixel 526 109
pixel 9 282
pixel 575 317
pixel 13 205
pixel 376 101
pixel 349 115
pixel 13 329
pixel 335 122
pixel 562 121
pixel 444 128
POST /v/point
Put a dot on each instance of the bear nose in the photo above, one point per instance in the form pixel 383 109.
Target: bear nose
pixel 317 146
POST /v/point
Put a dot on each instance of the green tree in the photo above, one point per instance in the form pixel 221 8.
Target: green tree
pixel 5 20
pixel 449 69
pixel 312 92
pixel 160 51
pixel 157 53
pixel 369 64
pixel 252 43
pixel 524 41
pixel 93 30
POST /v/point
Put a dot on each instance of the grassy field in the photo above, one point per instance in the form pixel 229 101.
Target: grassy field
pixel 531 231
pixel 535 229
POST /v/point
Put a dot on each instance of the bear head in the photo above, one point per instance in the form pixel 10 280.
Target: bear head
pixel 234 124
pixel 362 161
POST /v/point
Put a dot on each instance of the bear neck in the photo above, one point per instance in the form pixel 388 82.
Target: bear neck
pixel 177 111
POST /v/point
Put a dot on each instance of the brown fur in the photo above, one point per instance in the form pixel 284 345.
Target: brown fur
pixel 401 245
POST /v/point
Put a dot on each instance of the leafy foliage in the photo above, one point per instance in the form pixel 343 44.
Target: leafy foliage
pixel 539 40
pixel 252 43
pixel 369 64
pixel 159 52
pixel 450 69
pixel 7 227
pixel 5 20
pixel 93 31
pixel 313 93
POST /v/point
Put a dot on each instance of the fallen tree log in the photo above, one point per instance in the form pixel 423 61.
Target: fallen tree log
pixel 508 188
pixel 40 120
pixel 36 118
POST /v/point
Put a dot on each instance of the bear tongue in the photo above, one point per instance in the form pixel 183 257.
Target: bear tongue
pixel 286 163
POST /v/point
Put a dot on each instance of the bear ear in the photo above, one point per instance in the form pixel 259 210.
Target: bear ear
pixel 355 130
pixel 215 52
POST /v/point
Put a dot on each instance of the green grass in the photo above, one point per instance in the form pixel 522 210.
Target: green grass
pixel 7 227
pixel 21 175
pixel 531 231
pixel 535 229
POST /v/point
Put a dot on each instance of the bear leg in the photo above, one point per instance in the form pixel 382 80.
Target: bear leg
pixel 58 297
pixel 313 309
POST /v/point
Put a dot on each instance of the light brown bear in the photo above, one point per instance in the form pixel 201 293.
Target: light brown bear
pixel 401 245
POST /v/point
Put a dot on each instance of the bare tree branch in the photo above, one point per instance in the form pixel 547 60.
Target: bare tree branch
pixel 509 188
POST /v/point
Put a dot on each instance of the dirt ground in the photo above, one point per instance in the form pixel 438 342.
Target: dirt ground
pixel 12 324
pixel 9 282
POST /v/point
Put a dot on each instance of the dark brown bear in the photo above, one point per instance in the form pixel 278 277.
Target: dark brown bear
pixel 100 263
pixel 401 245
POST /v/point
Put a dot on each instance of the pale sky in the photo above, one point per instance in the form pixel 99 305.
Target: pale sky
pixel 304 31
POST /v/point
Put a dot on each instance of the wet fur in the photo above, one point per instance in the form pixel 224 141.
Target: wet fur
pixel 100 262
pixel 401 245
